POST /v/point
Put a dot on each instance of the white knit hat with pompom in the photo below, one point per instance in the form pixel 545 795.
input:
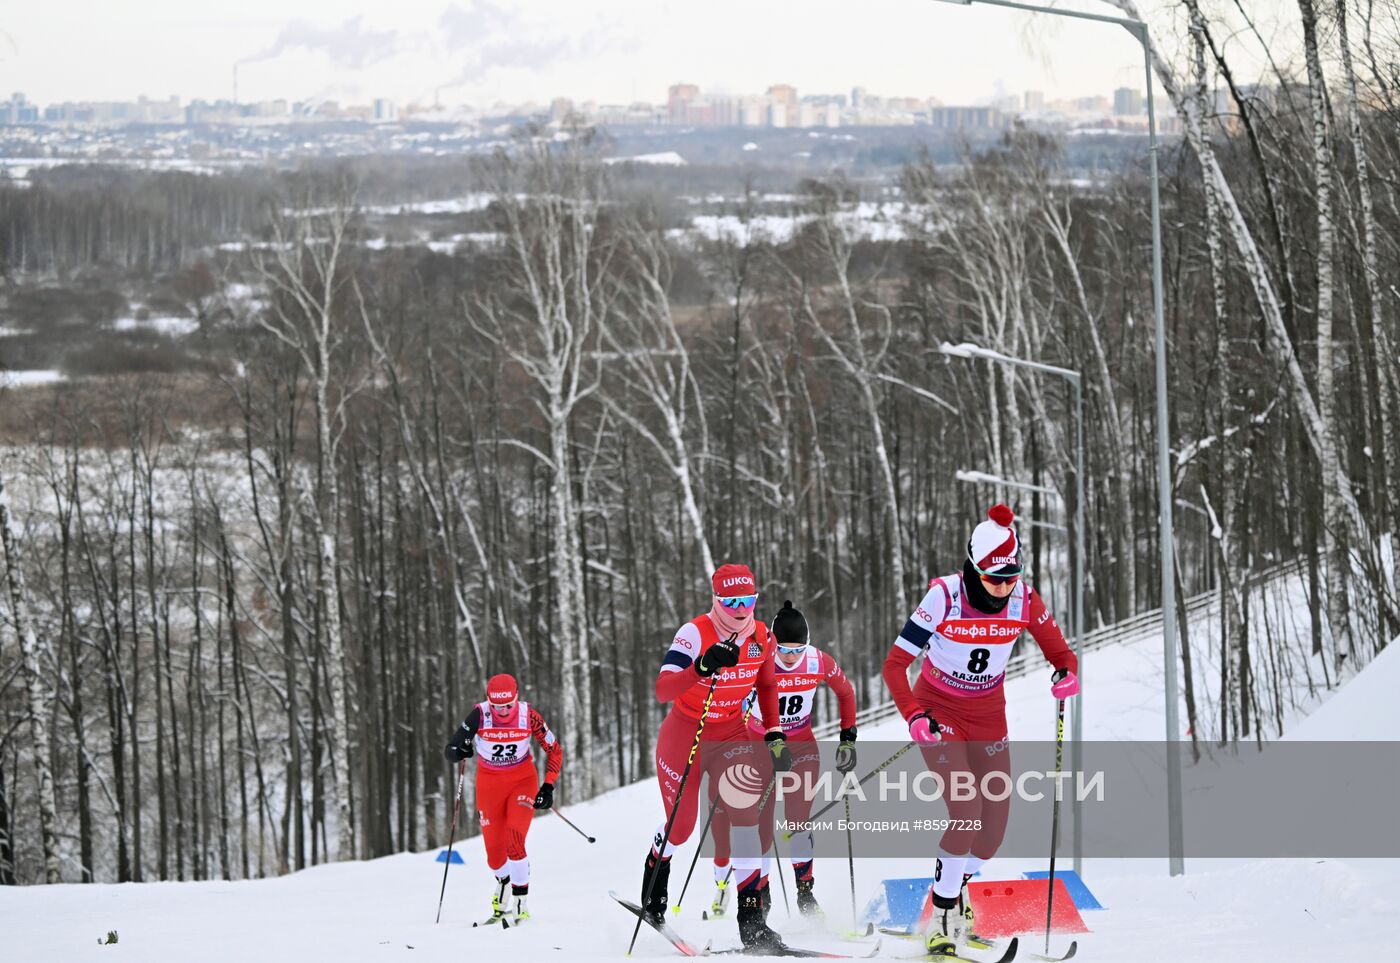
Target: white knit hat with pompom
pixel 994 543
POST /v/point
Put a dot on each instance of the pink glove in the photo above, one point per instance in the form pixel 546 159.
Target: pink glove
pixel 924 729
pixel 1064 684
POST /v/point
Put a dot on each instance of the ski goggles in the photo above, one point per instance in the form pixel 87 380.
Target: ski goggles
pixel 1000 578
pixel 739 601
pixel 792 649
pixel 503 708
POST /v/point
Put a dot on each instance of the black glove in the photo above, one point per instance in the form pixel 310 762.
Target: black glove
pixel 721 655
pixel 782 755
pixel 846 751
pixel 461 745
pixel 545 798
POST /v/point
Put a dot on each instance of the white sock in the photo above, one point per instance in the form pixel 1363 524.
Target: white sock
pixel 948 880
pixel 972 864
pixel 519 871
pixel 747 856
pixel 656 836
pixel 721 872
pixel 802 847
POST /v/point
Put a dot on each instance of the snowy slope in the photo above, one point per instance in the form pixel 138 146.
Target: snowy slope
pixel 383 909
pixel 1366 709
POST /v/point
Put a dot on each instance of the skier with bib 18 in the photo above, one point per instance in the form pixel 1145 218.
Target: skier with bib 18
pixel 508 791
pixel 965 627
pixel 799 668
pixel 712 663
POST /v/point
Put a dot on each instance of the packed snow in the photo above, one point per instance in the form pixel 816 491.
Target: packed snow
pixel 1237 909
pixel 23 379
pixel 668 158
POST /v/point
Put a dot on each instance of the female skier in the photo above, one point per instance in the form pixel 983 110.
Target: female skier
pixel 508 791
pixel 966 626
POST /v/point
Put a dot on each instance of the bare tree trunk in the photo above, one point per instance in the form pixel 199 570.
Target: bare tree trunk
pixel 1334 515
pixel 33 653
pixel 1385 358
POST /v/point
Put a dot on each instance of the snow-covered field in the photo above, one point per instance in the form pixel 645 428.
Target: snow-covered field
pixel 383 909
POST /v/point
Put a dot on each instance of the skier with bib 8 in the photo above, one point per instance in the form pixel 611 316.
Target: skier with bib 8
pixel 508 791
pixel 965 627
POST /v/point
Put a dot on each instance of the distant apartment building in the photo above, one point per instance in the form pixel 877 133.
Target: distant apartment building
pixel 783 111
pixel 1034 100
pixel 385 110
pixel 967 118
pixel 678 100
pixel 626 115
pixel 857 97
pixel 1128 102
pixel 1091 105
pixel 753 112
pixel 18 110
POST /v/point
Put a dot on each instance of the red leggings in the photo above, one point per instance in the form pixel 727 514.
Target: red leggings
pixel 726 744
pixel 806 765
pixel 505 804
pixel 974 741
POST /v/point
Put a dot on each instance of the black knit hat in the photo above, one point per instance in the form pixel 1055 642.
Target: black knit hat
pixel 789 627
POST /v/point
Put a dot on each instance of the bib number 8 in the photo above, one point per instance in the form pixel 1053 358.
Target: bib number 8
pixel 977 663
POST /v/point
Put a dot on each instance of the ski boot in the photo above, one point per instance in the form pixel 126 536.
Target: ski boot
pixel 807 903
pixel 654 906
pixel 945 933
pixel 520 913
pixel 720 906
pixel 498 903
pixel 965 906
pixel 753 927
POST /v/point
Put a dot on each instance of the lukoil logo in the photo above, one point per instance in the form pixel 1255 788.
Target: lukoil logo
pixel 741 785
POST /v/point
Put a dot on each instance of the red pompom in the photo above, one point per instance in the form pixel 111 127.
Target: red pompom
pixel 1002 515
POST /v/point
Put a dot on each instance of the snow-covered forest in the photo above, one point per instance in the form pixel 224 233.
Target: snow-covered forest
pixel 246 602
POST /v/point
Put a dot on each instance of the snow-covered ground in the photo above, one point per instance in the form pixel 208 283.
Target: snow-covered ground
pixel 1237 910
pixel 20 379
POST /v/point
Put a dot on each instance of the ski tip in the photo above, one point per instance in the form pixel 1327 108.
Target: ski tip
pixel 704 914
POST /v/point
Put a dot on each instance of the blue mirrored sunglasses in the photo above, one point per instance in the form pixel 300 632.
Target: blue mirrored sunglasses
pixel 791 649
pixel 739 601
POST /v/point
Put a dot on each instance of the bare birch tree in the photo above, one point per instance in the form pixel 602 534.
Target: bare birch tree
pixel 545 315
pixel 307 271
pixel 33 653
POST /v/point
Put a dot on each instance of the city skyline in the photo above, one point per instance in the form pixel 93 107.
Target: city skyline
pixel 482 52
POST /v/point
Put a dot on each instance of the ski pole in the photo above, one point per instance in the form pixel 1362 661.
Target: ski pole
pixel 696 858
pixel 881 767
pixel 1055 820
pixel 568 822
pixel 851 863
pixel 451 834
pixel 675 808
pixel 709 818
pixel 782 880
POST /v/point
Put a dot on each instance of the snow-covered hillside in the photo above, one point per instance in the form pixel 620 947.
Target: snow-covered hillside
pixel 1235 910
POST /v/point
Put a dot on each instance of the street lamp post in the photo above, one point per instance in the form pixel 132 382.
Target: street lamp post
pixel 1176 857
pixel 967 350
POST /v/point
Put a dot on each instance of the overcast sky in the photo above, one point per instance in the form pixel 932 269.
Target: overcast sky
pixel 485 51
